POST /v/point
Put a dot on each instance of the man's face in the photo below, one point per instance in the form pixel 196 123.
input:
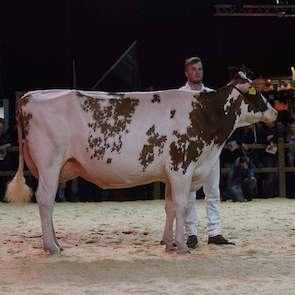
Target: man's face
pixel 194 73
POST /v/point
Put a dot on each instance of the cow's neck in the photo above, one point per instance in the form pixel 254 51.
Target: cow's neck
pixel 214 115
pixel 210 126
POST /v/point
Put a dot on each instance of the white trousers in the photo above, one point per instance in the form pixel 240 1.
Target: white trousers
pixel 212 199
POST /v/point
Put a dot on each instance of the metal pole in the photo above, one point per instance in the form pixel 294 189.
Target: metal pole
pixel 114 65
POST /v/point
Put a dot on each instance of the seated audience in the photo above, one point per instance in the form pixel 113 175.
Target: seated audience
pixel 242 184
pixel 268 134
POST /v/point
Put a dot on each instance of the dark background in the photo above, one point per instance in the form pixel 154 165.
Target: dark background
pixel 39 39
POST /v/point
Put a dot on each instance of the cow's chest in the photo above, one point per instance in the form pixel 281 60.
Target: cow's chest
pixel 205 164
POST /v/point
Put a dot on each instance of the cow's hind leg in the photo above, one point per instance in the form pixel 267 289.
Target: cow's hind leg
pixel 170 216
pixel 45 196
pixel 180 189
pixel 56 241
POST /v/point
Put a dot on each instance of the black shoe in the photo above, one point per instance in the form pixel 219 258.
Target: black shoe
pixel 192 242
pixel 219 240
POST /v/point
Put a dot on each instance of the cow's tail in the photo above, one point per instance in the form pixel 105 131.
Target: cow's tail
pixel 17 190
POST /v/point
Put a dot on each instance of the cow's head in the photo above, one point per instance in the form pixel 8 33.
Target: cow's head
pixel 241 82
pixel 254 106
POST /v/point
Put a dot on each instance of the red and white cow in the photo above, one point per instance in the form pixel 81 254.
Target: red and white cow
pixel 119 140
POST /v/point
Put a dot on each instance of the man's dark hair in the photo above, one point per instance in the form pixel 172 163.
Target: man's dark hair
pixel 191 61
pixel 2 121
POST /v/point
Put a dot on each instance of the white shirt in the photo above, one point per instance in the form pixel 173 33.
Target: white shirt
pixel 188 87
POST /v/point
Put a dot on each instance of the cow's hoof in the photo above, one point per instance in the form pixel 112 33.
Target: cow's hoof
pixel 170 248
pixel 183 250
pixel 60 247
pixel 55 250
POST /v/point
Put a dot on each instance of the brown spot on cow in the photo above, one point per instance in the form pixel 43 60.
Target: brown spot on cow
pixel 208 119
pixel 154 141
pixel 22 116
pixel 109 161
pixel 208 125
pixel 255 102
pixel 110 120
pixel 184 150
pixel 172 113
pixel 156 98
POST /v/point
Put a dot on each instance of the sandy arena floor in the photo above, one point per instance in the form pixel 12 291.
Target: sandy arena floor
pixel 113 248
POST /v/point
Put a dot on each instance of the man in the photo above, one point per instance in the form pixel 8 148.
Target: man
pixel 194 74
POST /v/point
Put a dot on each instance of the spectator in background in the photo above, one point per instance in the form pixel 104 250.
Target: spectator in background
pixel 234 148
pixel 290 138
pixel 249 183
pixel 5 160
pixel 284 118
pixel 248 134
pixel 13 136
pixel 5 140
pixel 242 184
pixel 12 132
pixel 237 149
pixel 268 134
pixel 249 137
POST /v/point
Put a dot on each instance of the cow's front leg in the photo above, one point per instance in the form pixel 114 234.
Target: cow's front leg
pixel 180 190
pixel 170 216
